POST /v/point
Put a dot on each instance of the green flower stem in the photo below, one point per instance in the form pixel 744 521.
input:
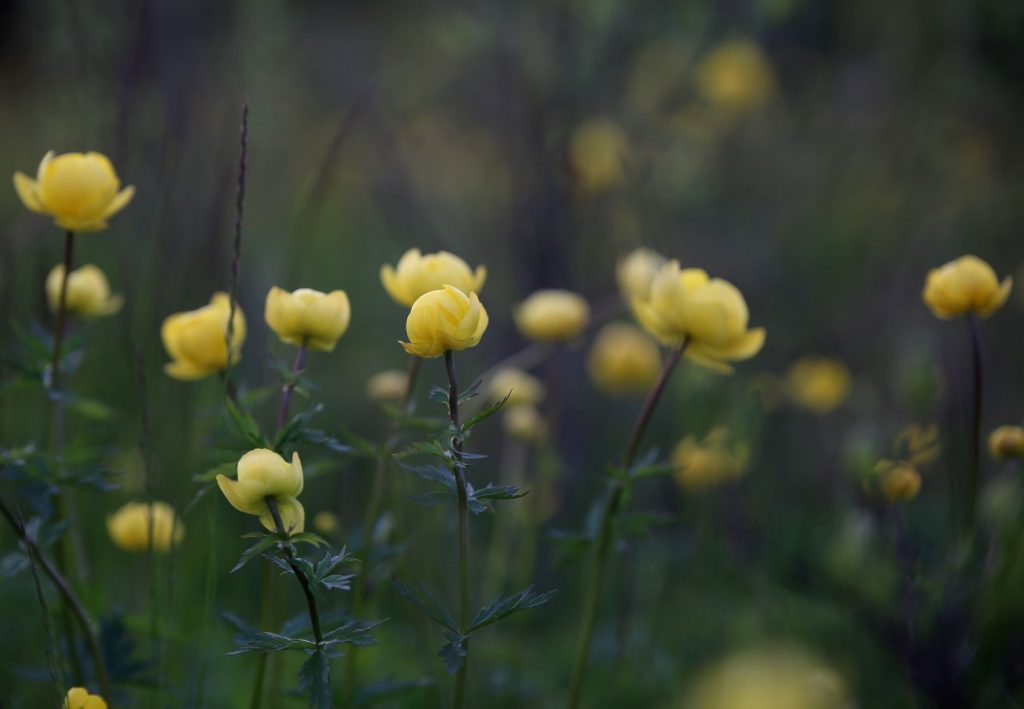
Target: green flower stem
pixel 974 464
pixel 604 539
pixel 88 625
pixel 289 388
pixel 314 613
pixel 460 486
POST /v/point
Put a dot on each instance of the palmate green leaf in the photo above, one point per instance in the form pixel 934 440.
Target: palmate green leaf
pixel 427 601
pixel 477 498
pixel 484 414
pixel 247 427
pixel 315 679
pixel 352 632
pixel 431 446
pixel 440 474
pixel 504 606
pixel 454 652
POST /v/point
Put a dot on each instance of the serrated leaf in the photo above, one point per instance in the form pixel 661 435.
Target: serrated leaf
pixel 454 652
pixel 295 425
pixel 307 538
pixel 504 606
pixel 427 601
pixel 338 582
pixel 270 642
pixel 484 414
pixel 315 679
pixel 266 543
pixel 352 632
pixel 438 393
pixel 440 474
pixel 498 492
pixel 430 446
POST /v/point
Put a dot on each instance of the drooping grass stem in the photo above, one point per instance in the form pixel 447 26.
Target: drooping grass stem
pixel 314 613
pixel 974 464
pixel 458 468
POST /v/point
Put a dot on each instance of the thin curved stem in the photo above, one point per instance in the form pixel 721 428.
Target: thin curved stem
pixel 463 499
pixel 314 613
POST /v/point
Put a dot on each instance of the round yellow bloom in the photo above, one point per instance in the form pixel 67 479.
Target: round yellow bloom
pixel 442 320
pixel 197 340
pixel 417 274
pixel 88 292
pixel 129 526
pixel 820 385
pixel 387 387
pixel 524 422
pixel 325 522
pixel 552 316
pixel 623 360
pixel 704 464
pixel 79 190
pixel 520 387
pixel 308 316
pixel 736 76
pixel 636 272
pixel 1007 442
pixel 708 314
pixel 597 154
pixel 79 698
pixel 966 285
pixel 262 473
pixel 900 480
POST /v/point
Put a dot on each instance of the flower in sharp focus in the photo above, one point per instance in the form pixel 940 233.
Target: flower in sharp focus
pixel 79 698
pixel 79 190
pixel 262 473
pixel 197 340
pixel 597 153
pixel 623 360
pixel 965 285
pixel 129 527
pixel 445 319
pixel 819 385
pixel 519 386
pixel 387 387
pixel 708 314
pixel 308 316
pixel 736 76
pixel 1006 442
pixel 706 463
pixel 525 423
pixel 635 273
pixel 88 292
pixel 552 316
pixel 417 274
pixel 899 480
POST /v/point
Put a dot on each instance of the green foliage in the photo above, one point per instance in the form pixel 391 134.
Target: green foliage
pixel 315 679
pixel 504 606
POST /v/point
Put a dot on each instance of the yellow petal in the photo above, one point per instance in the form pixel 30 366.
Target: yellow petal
pixel 244 498
pixel 25 186
pixel 998 298
pixel 119 202
pixel 293 516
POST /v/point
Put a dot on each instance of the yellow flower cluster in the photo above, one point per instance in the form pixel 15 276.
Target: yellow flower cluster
pixel 263 474
pixel 130 526
pixel 416 275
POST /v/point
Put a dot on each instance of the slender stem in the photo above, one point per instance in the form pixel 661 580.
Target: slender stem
pixel 460 487
pixel 604 538
pixel 236 258
pixel 62 308
pixel 88 625
pixel 314 613
pixel 289 388
pixel 974 464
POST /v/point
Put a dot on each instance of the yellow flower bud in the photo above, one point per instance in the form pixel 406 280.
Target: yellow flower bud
pixel 520 387
pixel 445 319
pixel 524 422
pixel 88 292
pixel 623 360
pixel 552 316
pixel 707 463
pixel 918 444
pixel 79 698
pixel 197 340
pixel 735 76
pixel 1006 442
pixel 325 522
pixel 129 526
pixel 262 473
pixel 899 480
pixel 79 190
pixel 966 285
pixel 636 272
pixel 597 155
pixel 308 316
pixel 417 274
pixel 387 387
pixel 820 385
pixel 709 314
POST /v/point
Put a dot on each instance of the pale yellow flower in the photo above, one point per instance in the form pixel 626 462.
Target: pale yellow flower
pixel 88 292
pixel 710 462
pixel 623 360
pixel 899 480
pixel 966 285
pixel 1006 442
pixel 387 387
pixel 308 316
pixel 519 386
pixel 197 340
pixel 552 315
pixel 417 274
pixel 326 522
pixel 129 526
pixel 597 154
pixel 820 385
pixel 635 273
pixel 262 473
pixel 736 76
pixel 79 698
pixel 524 422
pixel 442 320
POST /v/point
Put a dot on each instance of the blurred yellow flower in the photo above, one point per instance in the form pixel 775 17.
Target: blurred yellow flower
pixel 597 153
pixel 704 464
pixel 636 272
pixel 709 314
pixel 79 190
pixel 820 385
pixel 262 473
pixel 736 76
pixel 899 480
pixel 623 360
pixel 325 522
pixel 445 319
pixel 918 444
pixel 552 315
pixel 966 285
pixel 417 274
pixel 308 316
pixel 1006 442
pixel 79 698
pixel 88 292
pixel 524 422
pixel 129 526
pixel 387 387
pixel 197 340
pixel 519 386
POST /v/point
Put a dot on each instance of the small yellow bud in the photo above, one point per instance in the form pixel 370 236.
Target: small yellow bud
pixel 966 285
pixel 442 320
pixel 79 698
pixel 308 316
pixel 635 273
pixel 1006 442
pixel 707 463
pixel 918 444
pixel 79 190
pixel 900 480
pixel 196 340
pixel 417 274
pixel 597 155
pixel 387 387
pixel 520 387
pixel 736 76
pixel 262 473
pixel 88 292
pixel 820 385
pixel 552 316
pixel 325 522
pixel 129 526
pixel 524 422
pixel 623 360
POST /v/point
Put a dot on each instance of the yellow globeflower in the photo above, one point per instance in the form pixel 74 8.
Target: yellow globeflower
pixel 79 698
pixel 442 320
pixel 820 385
pixel 708 314
pixel 899 480
pixel 736 76
pixel 704 464
pixel 387 387
pixel 1007 442
pixel 197 340
pixel 520 387
pixel 325 522
pixel 966 285
pixel 308 316
pixel 262 473
pixel 88 292
pixel 623 360
pixel 79 190
pixel 597 154
pixel 417 274
pixel 524 422
pixel 636 272
pixel 552 315
pixel 129 526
